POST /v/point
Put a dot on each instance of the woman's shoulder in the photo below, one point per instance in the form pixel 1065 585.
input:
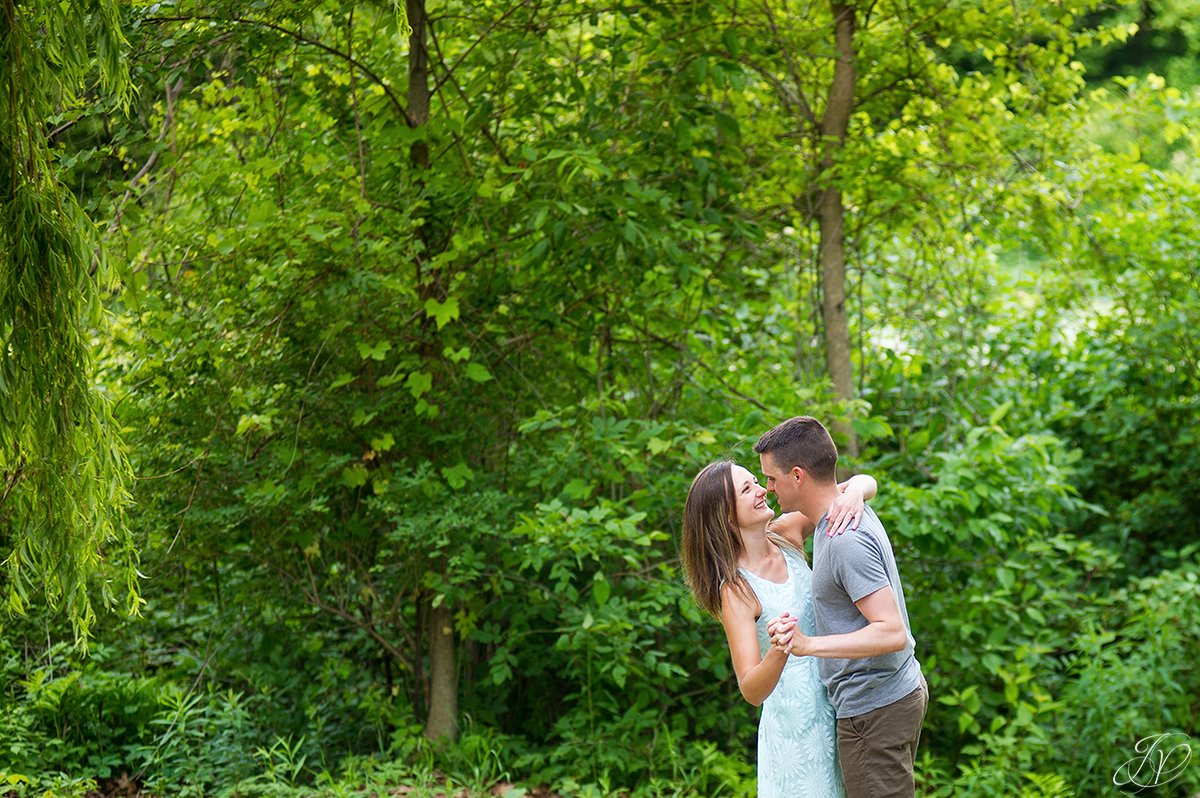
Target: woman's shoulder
pixel 740 598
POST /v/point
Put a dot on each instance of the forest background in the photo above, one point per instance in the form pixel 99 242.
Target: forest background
pixel 358 355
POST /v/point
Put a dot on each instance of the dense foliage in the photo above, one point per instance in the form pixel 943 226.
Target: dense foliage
pixel 63 475
pixel 426 316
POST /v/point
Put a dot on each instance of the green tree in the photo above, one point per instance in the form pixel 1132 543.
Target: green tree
pixel 414 297
pixel 64 477
pixel 879 136
pixel 423 333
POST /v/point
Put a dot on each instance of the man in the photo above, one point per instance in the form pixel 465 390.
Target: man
pixel 863 639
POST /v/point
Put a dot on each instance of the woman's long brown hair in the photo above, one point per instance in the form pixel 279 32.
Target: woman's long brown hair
pixel 710 545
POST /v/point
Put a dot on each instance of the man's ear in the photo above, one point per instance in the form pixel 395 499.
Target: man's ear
pixel 797 474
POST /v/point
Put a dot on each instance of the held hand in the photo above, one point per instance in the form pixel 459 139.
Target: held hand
pixel 799 645
pixel 845 512
pixel 781 631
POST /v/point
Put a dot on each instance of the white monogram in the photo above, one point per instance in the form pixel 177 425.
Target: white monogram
pixel 1161 759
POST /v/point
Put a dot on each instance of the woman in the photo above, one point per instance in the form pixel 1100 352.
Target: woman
pixel 746 568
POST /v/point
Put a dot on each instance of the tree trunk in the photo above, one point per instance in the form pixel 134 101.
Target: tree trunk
pixel 418 80
pixel 443 677
pixel 442 722
pixel 831 218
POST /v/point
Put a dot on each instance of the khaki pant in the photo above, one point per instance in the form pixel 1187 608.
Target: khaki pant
pixel 877 749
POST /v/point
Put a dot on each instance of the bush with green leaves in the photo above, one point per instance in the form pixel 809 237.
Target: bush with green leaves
pixel 1131 676
pixel 68 713
pixel 997 593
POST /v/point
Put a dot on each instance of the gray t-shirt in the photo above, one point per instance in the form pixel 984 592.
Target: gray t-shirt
pixel 846 568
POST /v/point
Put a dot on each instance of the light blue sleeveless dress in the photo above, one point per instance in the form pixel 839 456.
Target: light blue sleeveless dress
pixel 797 732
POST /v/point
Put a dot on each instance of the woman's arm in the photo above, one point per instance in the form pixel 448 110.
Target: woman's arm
pixel 846 510
pixel 757 675
pixel 863 483
pixel 794 527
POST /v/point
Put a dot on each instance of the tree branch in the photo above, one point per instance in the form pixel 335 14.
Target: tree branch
pixel 360 66
pixel 172 92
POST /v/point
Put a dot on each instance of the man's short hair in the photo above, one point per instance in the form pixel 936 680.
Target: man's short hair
pixel 801 441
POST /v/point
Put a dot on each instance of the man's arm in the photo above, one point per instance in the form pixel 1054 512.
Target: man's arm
pixel 884 633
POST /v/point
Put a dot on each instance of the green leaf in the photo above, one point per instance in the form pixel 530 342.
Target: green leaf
pixel 872 427
pixel 458 475
pixel 419 383
pixel 918 440
pixel 373 352
pixel 728 125
pixel 601 589
pixel 478 373
pixel 396 376
pixel 997 637
pixel 578 489
pixel 442 312
pixel 1000 412
pixel 254 422
pixel 658 445
pixel 537 253
pixel 457 356
pixel 425 409
pixel 355 476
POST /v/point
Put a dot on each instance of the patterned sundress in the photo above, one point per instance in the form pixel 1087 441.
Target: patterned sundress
pixel 797 732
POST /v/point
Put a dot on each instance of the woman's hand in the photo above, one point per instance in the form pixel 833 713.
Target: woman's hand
pixel 845 512
pixel 781 630
pixel 787 637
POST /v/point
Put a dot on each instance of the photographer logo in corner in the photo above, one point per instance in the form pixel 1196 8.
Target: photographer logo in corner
pixel 1160 758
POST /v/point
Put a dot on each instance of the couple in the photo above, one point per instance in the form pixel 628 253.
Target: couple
pixel 826 652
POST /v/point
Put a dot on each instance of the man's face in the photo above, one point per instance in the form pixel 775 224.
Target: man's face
pixel 784 484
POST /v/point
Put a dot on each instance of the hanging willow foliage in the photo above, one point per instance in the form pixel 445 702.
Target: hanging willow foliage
pixel 63 469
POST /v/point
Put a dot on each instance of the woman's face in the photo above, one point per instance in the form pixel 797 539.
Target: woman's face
pixel 750 500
